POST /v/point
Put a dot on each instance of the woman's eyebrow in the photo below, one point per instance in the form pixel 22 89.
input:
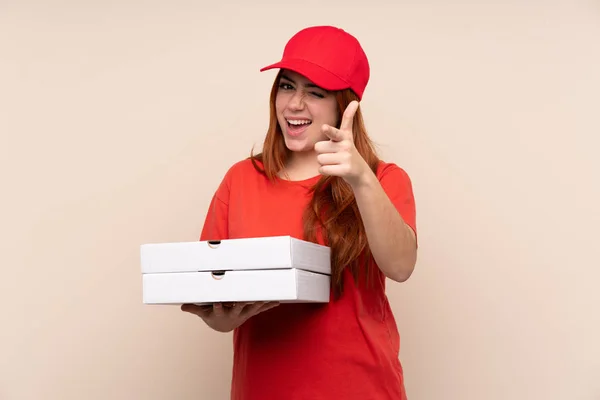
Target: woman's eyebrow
pixel 309 85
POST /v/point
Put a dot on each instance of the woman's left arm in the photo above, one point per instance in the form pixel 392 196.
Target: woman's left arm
pixel 392 241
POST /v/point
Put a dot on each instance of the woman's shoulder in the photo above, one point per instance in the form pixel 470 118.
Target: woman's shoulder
pixel 240 174
pixel 244 168
pixel 387 169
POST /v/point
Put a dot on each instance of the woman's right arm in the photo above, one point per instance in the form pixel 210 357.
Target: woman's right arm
pixel 223 317
pixel 227 317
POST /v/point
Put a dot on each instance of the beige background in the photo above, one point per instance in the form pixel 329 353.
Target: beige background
pixel 118 120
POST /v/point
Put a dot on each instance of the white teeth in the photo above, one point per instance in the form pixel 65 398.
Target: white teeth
pixel 298 122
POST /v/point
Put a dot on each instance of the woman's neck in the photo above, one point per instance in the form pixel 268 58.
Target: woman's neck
pixel 301 166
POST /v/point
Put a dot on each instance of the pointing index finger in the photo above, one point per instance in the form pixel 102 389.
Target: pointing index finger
pixel 332 133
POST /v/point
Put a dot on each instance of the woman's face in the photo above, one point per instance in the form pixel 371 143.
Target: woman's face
pixel 302 109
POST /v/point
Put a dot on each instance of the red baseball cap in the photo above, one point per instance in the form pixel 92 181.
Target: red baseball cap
pixel 328 56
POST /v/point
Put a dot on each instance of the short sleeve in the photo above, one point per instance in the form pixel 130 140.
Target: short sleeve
pixel 216 222
pixel 398 186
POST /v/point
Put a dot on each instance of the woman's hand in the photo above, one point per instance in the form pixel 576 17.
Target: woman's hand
pixel 338 156
pixel 226 317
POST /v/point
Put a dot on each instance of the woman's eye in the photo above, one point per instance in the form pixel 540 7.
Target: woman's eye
pixel 285 86
pixel 316 94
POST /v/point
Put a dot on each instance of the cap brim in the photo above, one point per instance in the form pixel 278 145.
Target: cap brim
pixel 316 74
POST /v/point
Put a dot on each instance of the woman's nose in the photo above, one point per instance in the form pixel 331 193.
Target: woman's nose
pixel 297 101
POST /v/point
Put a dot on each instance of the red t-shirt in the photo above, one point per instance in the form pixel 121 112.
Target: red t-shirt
pixel 346 349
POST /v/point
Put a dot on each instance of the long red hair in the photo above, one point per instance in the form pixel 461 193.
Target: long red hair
pixel 332 211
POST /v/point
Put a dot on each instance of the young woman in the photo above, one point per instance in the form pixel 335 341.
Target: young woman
pixel 319 179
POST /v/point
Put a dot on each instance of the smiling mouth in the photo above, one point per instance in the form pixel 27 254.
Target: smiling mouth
pixel 298 123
